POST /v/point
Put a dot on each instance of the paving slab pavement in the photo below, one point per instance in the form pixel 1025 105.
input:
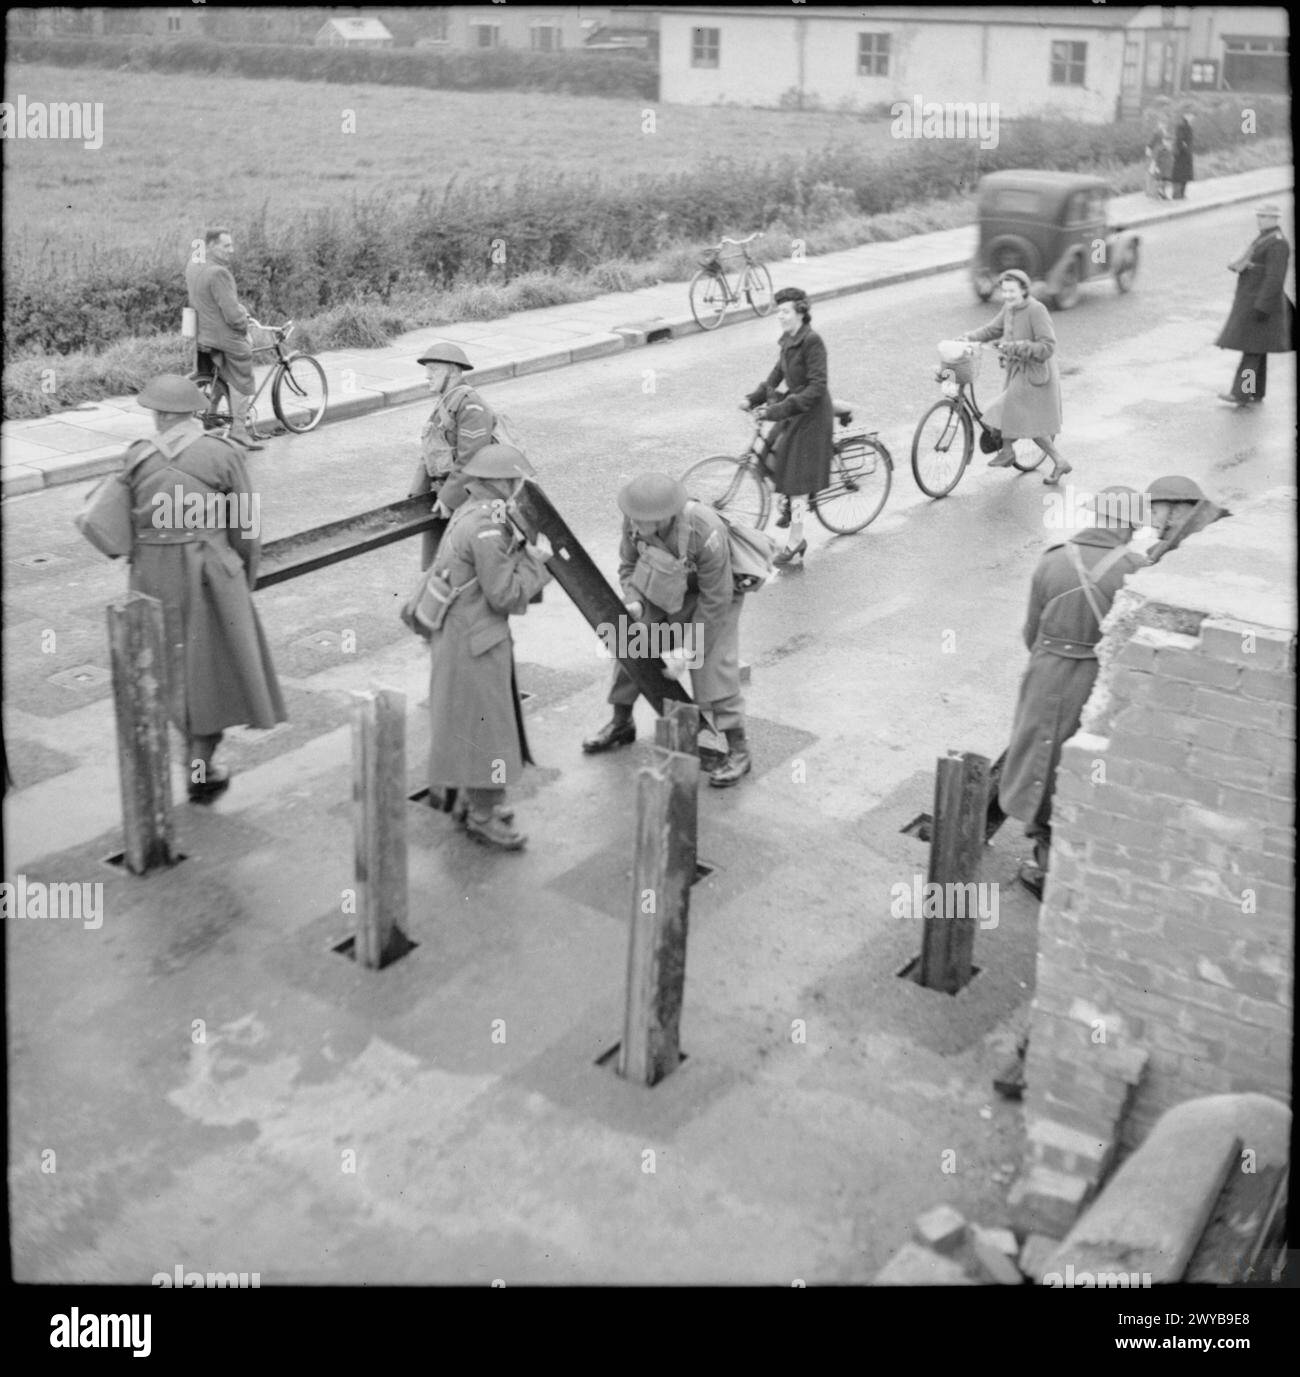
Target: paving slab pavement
pixel 91 439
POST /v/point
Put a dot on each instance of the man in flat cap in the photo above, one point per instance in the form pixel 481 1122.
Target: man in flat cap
pixel 1069 597
pixel 1260 322
pixel 482 575
pixel 460 424
pixel 1178 509
pixel 675 571
pixel 195 548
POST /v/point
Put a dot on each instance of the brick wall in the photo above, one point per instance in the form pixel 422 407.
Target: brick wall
pixel 1166 933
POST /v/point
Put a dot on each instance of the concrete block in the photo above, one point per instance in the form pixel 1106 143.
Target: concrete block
pixel 995 1264
pixel 633 336
pixel 1047 1201
pixel 597 346
pixel 494 372
pixel 540 361
pixel 1272 685
pixel 913 1265
pixel 16 479
pixel 1001 1238
pixel 359 402
pixel 941 1228
pixel 1247 643
pixel 91 463
pixel 1034 1253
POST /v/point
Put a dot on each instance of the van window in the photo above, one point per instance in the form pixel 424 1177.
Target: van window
pixel 1011 202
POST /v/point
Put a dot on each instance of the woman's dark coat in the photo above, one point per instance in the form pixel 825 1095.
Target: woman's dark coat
pixel 801 444
pixel 1182 168
pixel 1261 318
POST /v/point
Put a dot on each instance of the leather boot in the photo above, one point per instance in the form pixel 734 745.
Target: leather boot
pixel 460 812
pixel 217 782
pixel 737 764
pixel 620 730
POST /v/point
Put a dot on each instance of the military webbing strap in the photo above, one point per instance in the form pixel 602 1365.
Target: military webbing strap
pixel 1086 577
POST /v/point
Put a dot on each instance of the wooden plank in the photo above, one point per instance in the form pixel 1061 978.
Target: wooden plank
pixel 575 572
pixel 956 851
pixel 137 652
pixel 663 869
pixel 379 823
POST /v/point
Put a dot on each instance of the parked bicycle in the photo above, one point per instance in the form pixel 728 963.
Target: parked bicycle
pixel 945 435
pixel 862 472
pixel 299 391
pixel 712 292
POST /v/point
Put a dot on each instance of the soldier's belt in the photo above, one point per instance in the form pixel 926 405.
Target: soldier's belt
pixel 1070 650
pixel 153 537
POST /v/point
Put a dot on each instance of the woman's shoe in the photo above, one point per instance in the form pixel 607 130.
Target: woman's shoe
pixel 1058 472
pixel 460 812
pixel 783 520
pixel 1003 459
pixel 217 782
pixel 789 555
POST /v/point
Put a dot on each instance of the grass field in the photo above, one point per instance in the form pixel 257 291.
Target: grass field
pixel 181 152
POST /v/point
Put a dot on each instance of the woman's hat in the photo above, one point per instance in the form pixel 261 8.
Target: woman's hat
pixel 1016 276
pixel 171 392
pixel 652 497
pixel 444 351
pixel 497 461
pixel 791 294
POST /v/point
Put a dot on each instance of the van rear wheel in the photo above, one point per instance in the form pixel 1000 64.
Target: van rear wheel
pixel 1067 294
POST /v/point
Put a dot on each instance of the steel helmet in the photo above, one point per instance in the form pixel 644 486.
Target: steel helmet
pixel 497 461
pixel 171 392
pixel 652 497
pixel 444 351
pixel 1118 506
pixel 1175 488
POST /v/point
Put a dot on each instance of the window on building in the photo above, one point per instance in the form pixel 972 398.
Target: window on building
pixel 438 27
pixel 173 23
pixel 704 47
pixel 547 38
pixel 873 54
pixel 1069 61
pixel 486 35
pixel 1255 64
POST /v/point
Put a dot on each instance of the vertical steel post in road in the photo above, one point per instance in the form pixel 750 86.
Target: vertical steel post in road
pixel 137 650
pixel 379 824
pixel 961 785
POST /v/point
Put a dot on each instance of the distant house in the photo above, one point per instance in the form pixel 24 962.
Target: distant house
pixel 1092 62
pixel 353 33
pixel 543 28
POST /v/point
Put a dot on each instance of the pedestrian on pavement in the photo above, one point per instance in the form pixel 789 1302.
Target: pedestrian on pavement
pixel 1260 322
pixel 1159 163
pixel 1029 406
pixel 1069 597
pixel 483 574
pixel 1181 171
pixel 460 424
pixel 1178 509
pixel 218 671
pixel 224 327
pixel 799 447
pixel 675 572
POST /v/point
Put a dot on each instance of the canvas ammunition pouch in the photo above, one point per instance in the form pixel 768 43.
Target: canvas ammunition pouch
pixel 660 577
pixel 427 607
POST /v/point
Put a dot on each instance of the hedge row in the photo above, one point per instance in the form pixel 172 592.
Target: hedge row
pixel 540 222
pixel 571 72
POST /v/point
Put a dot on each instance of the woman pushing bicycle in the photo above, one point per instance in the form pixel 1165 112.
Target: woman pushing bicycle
pixel 800 446
pixel 460 424
pixel 1030 404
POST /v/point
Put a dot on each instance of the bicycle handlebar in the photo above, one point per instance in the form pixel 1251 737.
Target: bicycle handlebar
pixel 282 330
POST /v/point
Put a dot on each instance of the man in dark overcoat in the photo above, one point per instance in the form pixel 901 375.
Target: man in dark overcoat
pixel 195 548
pixel 1260 322
pixel 1180 173
pixel 485 574
pixel 1069 597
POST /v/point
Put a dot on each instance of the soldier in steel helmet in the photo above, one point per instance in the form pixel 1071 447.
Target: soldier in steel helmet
pixel 198 556
pixel 482 575
pixel 675 571
pixel 1071 593
pixel 1178 509
pixel 460 424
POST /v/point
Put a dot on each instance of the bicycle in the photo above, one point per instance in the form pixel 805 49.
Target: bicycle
pixel 712 294
pixel 957 413
pixel 299 390
pixel 862 472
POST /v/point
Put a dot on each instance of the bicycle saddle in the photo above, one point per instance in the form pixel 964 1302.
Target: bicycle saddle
pixel 843 411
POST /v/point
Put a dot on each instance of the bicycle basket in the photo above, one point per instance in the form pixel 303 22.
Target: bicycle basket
pixel 711 263
pixel 962 357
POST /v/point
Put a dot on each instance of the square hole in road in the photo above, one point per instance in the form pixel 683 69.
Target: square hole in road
pixel 609 1061
pixel 702 868
pixel 918 827
pixel 399 944
pixel 912 970
pixel 81 677
pixel 118 861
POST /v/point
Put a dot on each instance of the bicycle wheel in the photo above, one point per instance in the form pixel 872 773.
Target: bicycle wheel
pixel 709 299
pixel 862 472
pixel 732 486
pixel 941 448
pixel 299 393
pixel 1028 456
pixel 756 286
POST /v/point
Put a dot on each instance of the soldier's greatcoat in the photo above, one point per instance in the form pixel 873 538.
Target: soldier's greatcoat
pixel 459 425
pixel 1030 405
pixel 802 442
pixel 219 672
pixel 1061 633
pixel 476 723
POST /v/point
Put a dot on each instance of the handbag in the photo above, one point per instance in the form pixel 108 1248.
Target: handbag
pixel 106 519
